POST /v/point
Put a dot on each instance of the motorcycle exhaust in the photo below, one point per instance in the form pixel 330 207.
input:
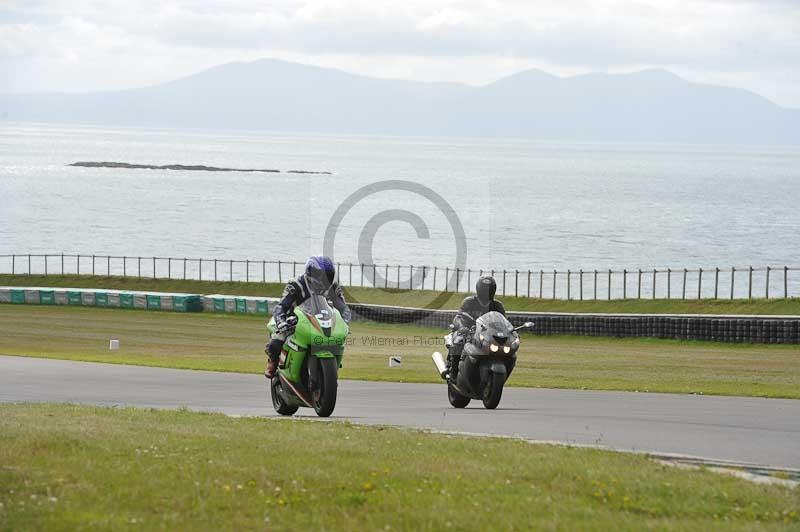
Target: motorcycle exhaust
pixel 438 360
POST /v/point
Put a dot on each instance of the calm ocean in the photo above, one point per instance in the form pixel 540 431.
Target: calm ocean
pixel 522 204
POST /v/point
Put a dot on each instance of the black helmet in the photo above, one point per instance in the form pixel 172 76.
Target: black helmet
pixel 485 288
pixel 320 273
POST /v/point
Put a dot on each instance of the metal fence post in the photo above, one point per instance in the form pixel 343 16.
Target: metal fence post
pixel 683 289
pixel 767 283
pixel 580 280
pixel 750 284
pixel 654 282
pixel 29 264
pixel 124 266
pixel 375 276
pixel 78 265
pixel 785 282
pixel 263 271
pixel 398 276
pixel 555 273
pixel 458 271
pixel 411 278
pixel 541 282
pixel 13 264
pixel 529 284
pixel 595 284
pixel 669 283
pixel 62 264
pixel 230 270
pixel 139 267
pixel 108 266
pixel 154 267
pixel 504 282
pixel 435 268
pixel 215 270
pixel 294 269
pixel 700 284
pixel 639 285
pixel 246 270
pixel 516 283
pixel 386 277
pixel 446 279
pixel 716 283
pixel 624 283
pixel 200 269
pixel 280 275
pixel 362 274
pixel 45 264
pixel 733 276
pixel 169 267
pixel 609 284
pixel 569 275
pixel 469 279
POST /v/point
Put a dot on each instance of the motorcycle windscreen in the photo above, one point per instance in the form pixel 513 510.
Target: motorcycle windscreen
pixel 496 326
pixel 319 313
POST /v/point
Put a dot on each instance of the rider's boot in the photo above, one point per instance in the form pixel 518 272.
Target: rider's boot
pixel 272 366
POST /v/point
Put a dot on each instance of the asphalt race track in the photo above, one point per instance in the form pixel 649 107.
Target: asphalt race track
pixel 746 430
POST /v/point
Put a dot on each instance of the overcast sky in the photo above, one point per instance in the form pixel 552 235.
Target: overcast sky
pixel 71 45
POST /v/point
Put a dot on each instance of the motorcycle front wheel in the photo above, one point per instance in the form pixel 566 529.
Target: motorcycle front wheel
pixel 278 403
pixel 325 395
pixel 456 399
pixel 493 391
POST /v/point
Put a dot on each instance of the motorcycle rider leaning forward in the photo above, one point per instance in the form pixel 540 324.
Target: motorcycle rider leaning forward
pixel 473 306
pixel 317 279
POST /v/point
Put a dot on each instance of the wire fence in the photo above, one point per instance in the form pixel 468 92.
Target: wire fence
pixel 591 284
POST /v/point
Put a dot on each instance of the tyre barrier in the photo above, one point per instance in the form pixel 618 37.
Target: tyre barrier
pixel 716 328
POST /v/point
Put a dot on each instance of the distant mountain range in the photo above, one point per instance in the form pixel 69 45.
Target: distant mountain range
pixel 272 95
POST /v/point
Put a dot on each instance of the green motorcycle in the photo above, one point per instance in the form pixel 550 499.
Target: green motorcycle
pixel 310 359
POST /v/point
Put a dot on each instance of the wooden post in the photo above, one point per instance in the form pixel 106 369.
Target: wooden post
pixel 733 276
pixel 580 278
pixel 639 285
pixel 554 283
pixel 700 284
pixel 716 283
pixel 767 283
pixel 750 284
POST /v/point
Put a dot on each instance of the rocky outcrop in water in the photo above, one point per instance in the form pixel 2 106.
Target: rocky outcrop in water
pixel 192 167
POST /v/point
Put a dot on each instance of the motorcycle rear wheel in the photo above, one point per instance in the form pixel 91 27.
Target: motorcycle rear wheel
pixel 281 407
pixel 325 395
pixel 493 392
pixel 456 399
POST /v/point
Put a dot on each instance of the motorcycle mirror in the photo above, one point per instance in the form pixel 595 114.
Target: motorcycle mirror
pixel 529 325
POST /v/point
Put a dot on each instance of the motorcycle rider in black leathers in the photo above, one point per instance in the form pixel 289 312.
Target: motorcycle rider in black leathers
pixel 317 279
pixel 473 306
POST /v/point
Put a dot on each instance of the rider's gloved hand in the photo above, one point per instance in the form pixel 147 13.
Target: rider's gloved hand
pixel 282 326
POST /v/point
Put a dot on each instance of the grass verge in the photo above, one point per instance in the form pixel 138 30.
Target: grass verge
pixel 228 342
pixel 417 298
pixel 67 467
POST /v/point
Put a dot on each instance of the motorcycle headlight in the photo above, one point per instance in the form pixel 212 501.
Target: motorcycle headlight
pixel 494 348
pixel 506 349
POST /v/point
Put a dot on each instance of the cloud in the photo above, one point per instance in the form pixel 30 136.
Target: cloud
pixel 755 41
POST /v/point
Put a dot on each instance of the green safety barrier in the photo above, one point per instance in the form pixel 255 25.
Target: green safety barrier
pixel 102 298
